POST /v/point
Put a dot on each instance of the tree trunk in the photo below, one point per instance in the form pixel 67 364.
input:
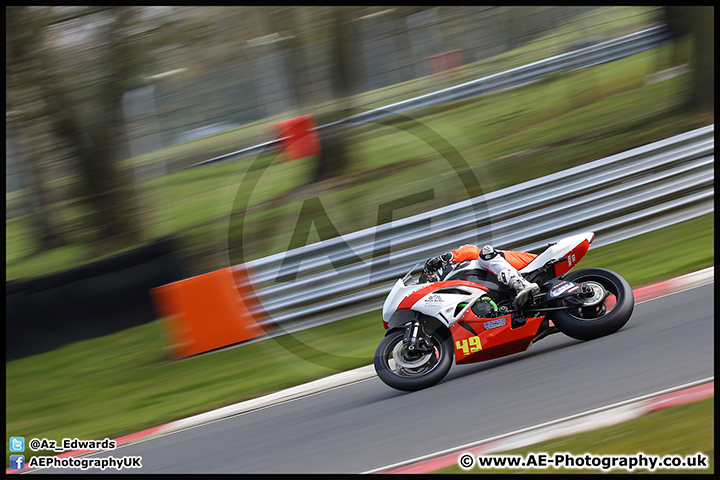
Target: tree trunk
pixel 701 26
pixel 34 147
pixel 333 159
pixel 94 130
pixel 698 24
pixel 25 107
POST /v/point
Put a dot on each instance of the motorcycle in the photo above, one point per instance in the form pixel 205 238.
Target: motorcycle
pixel 466 313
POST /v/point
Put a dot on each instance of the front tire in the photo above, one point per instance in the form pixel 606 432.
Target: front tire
pixel 603 318
pixel 400 369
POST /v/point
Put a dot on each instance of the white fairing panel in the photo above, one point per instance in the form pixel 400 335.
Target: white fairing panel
pixel 560 249
pixel 439 305
pixel 396 295
pixel 443 306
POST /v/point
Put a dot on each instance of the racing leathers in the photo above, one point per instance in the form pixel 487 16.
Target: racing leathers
pixel 501 263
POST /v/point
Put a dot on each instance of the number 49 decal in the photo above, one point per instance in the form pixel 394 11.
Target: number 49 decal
pixel 468 345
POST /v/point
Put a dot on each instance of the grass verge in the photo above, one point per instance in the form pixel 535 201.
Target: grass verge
pixel 124 383
pixel 683 430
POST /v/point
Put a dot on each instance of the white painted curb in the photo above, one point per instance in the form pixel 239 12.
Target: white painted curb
pixel 317 386
pixel 675 285
pixel 574 424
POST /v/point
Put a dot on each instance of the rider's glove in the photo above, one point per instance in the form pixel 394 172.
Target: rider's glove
pixel 436 263
pixel 426 277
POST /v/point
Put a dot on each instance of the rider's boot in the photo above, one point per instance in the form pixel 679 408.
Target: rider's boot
pixel 514 280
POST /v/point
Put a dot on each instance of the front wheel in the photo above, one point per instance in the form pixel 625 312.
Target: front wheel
pixel 606 312
pixel 410 371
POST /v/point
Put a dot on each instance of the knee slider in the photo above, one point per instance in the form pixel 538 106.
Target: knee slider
pixel 507 276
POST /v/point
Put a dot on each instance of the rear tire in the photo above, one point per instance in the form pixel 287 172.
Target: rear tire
pixel 419 372
pixel 609 316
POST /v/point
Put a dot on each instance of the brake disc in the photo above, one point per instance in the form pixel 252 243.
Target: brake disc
pixel 399 357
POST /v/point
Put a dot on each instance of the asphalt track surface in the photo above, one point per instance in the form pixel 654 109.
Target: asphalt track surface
pixel 367 425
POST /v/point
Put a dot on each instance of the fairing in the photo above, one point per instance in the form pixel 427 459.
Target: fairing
pixel 574 248
pixel 478 339
pixel 432 299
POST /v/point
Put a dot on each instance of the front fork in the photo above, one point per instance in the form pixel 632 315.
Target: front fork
pixel 415 337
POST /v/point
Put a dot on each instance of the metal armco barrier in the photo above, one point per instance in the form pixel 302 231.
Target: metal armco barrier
pixel 575 60
pixel 617 197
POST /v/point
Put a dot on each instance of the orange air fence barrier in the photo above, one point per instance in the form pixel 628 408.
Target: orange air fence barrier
pixel 207 312
pixel 301 138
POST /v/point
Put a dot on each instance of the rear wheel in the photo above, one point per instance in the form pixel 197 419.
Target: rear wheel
pixel 606 311
pixel 407 370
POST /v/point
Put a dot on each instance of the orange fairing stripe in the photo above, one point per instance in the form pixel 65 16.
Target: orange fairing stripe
pixel 466 252
pixel 410 300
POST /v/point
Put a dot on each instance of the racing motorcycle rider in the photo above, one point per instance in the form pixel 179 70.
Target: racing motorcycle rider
pixel 503 263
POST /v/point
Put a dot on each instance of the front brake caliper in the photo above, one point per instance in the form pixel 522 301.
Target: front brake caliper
pixel 424 345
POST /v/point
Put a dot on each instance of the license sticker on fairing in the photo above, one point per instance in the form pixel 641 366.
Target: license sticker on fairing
pixel 500 322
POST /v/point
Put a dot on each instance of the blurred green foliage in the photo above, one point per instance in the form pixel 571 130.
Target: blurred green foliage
pixel 196 204
pixel 506 138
